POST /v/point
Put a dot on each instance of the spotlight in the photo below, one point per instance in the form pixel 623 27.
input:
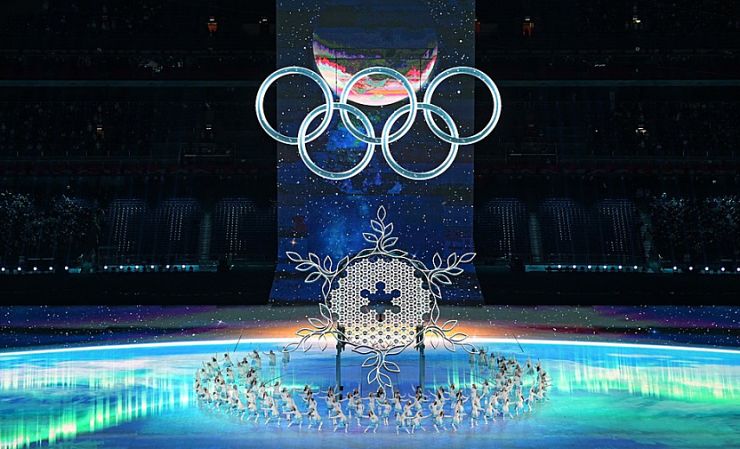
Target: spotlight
pixel 35 268
pixel 605 267
pixel 183 267
pixel 574 267
pixel 66 268
pixel 706 268
pixel 620 267
pixel 675 268
pixel 691 268
pixel 560 266
pixel 168 267
pixel 723 269
pixel 738 269
pixel 136 267
pixel 105 267
pixel 3 269
pixel 589 267
pixel 151 267
pixel 120 267
pixel 635 267
pixel 51 268
pixel 19 268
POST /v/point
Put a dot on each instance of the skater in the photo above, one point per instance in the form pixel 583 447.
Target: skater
pixel 374 421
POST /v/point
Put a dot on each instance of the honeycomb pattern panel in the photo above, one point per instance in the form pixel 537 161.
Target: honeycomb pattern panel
pixel 363 322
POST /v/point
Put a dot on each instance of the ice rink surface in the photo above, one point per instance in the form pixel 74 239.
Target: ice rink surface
pixel 141 396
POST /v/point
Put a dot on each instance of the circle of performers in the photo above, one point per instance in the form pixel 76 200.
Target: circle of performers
pixel 509 391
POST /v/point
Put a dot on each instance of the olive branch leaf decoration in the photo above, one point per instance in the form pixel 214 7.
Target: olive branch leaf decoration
pixel 383 243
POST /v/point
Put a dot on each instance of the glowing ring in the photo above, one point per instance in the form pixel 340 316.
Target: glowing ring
pixel 496 105
pixel 378 71
pixel 385 144
pixel 327 109
pixel 386 137
pixel 336 176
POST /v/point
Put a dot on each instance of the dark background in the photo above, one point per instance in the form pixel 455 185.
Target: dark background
pixel 128 138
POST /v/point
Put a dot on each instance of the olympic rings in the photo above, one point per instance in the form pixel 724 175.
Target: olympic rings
pixel 471 71
pixel 379 71
pixel 337 176
pixel 386 137
pixel 418 176
pixel 259 104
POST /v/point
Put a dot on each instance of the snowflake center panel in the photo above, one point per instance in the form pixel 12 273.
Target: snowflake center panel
pixel 380 303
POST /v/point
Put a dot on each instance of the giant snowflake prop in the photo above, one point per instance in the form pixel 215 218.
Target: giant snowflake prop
pixel 380 301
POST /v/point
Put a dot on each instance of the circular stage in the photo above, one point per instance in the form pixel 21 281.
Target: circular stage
pixel 602 395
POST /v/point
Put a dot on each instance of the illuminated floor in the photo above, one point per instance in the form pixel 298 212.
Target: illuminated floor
pixel 604 396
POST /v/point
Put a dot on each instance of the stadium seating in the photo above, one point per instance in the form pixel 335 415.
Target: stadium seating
pixel 664 230
pixel 243 230
pixel 502 229
pixel 125 221
pixel 172 231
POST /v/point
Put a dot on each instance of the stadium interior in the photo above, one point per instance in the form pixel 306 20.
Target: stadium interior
pixel 129 151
